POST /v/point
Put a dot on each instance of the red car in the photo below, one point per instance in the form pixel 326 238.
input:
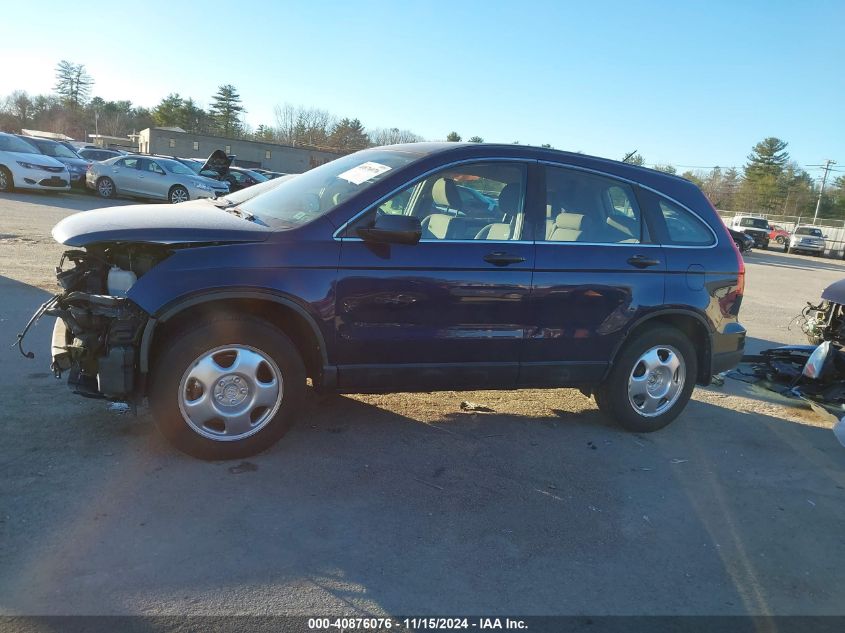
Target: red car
pixel 778 234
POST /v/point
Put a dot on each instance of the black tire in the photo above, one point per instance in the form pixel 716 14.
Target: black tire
pixel 188 345
pixel 765 246
pixel 7 182
pixel 612 396
pixel 780 240
pixel 106 187
pixel 178 194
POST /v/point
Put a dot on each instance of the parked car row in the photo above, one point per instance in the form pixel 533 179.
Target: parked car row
pixel 151 177
pixel 753 230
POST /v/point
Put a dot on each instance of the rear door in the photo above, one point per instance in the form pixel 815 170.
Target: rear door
pixel 125 173
pixel 597 271
pixel 451 310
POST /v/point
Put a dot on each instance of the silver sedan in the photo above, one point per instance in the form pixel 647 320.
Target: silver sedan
pixel 146 177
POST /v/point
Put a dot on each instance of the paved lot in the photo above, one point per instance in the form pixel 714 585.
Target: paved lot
pixel 403 504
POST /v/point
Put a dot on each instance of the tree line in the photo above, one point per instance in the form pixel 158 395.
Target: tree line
pixel 769 182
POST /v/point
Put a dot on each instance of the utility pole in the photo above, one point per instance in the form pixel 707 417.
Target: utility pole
pixel 827 165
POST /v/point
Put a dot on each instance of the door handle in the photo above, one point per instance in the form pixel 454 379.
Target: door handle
pixel 641 261
pixel 503 259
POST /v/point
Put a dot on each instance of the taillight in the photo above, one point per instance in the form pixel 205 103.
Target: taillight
pixel 740 262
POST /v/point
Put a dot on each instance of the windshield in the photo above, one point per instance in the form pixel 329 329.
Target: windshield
pixel 255 175
pixel 316 192
pixel 54 149
pixel 10 143
pixel 806 230
pixel 174 166
pixel 757 223
pixel 247 193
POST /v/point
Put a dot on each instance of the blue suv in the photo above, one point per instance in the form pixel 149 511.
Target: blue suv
pixel 405 268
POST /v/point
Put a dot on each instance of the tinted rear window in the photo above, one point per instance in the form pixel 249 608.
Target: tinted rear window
pixel 684 228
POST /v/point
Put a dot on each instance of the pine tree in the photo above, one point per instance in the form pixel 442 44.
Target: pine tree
pixel 226 110
pixel 453 137
pixel 348 134
pixel 73 84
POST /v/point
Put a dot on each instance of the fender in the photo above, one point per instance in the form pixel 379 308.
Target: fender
pixel 652 315
pixel 175 307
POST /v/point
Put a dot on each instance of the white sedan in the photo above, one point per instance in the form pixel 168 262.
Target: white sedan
pixel 22 166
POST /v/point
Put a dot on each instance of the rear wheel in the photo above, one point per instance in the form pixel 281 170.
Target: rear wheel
pixel 106 188
pixel 178 194
pixel 651 380
pixel 7 183
pixel 227 388
pixel 779 239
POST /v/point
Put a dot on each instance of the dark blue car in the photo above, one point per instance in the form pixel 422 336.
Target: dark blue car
pixel 378 272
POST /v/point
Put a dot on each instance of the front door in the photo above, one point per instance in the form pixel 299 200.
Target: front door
pixel 597 271
pixel 449 311
pixel 152 179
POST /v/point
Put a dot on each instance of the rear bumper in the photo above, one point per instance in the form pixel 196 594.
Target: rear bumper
pixel 728 348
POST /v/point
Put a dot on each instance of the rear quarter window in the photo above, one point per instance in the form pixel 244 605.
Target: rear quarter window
pixel 684 228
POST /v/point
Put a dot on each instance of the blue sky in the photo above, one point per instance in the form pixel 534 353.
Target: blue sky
pixel 687 83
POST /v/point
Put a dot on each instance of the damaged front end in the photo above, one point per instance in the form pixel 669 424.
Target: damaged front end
pixel 98 330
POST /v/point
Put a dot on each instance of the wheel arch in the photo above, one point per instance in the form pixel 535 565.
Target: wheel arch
pixel 690 323
pixel 281 311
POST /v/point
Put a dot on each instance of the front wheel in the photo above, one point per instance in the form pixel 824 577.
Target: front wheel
pixel 227 388
pixel 6 181
pixel 779 239
pixel 651 380
pixel 178 194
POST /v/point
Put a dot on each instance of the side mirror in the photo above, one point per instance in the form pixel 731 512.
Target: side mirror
pixel 395 229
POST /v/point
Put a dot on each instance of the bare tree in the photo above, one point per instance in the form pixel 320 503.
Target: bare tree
pixel 393 136
pixel 19 105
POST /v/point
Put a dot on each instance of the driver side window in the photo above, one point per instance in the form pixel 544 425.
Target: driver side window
pixel 478 201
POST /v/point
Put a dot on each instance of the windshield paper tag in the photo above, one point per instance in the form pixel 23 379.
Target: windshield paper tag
pixel 364 172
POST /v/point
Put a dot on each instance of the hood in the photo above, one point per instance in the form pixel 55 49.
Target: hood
pixel 211 182
pixel 158 224
pixel 74 162
pixel 835 292
pixel 217 163
pixel 36 159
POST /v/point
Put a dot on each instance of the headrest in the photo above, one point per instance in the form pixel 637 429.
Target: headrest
pixel 509 199
pixel 569 221
pixel 445 193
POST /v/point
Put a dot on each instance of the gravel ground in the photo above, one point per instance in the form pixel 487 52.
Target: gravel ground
pixel 404 504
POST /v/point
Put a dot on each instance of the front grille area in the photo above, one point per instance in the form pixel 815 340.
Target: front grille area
pixel 54 170
pixel 53 182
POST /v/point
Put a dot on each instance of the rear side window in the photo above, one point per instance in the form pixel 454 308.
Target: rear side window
pixel 684 228
pixel 588 208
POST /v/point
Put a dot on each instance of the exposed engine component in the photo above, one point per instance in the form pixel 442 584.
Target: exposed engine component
pixel 825 321
pixel 98 329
